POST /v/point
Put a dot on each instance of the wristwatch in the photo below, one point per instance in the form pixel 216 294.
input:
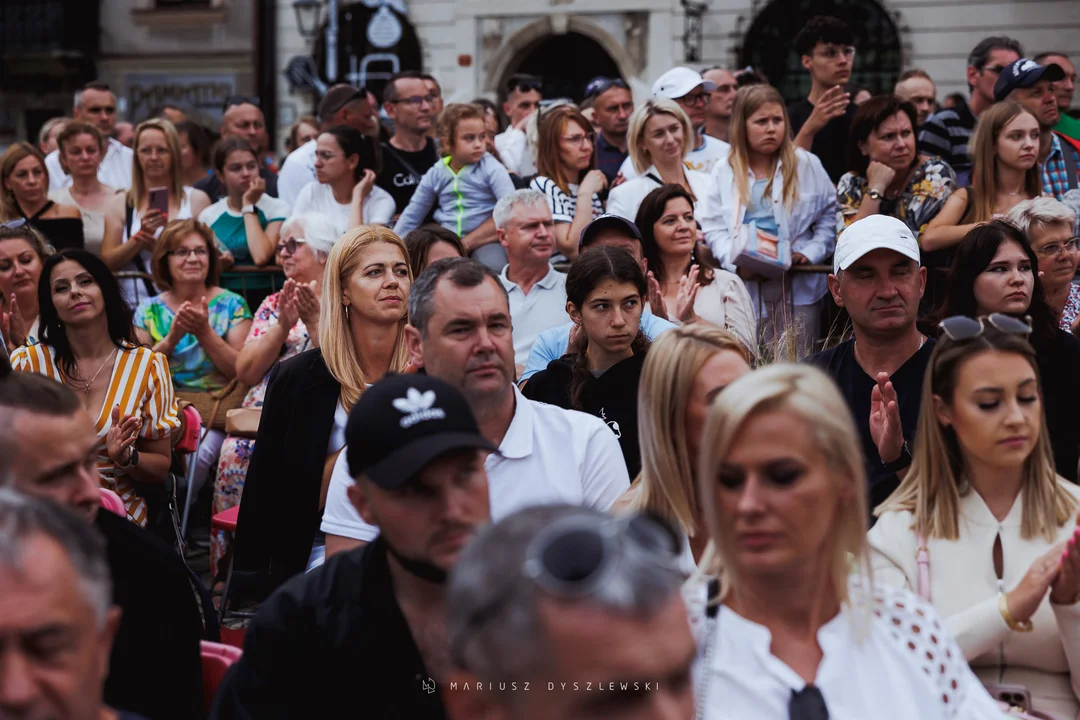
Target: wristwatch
pixel 247 209
pixel 901 463
pixel 133 460
pixel 874 194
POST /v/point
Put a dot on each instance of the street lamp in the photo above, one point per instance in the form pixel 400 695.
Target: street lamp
pixel 308 16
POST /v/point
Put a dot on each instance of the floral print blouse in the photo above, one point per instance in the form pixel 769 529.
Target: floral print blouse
pixel 920 202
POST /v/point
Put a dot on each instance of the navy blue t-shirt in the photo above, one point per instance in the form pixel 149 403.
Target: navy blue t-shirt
pixel 856 386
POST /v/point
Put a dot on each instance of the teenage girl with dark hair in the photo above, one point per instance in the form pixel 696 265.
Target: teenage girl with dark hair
pixel 605 295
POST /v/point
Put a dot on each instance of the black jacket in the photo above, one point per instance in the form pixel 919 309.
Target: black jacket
pixel 154 668
pixel 331 643
pixel 612 397
pixel 1058 359
pixel 279 512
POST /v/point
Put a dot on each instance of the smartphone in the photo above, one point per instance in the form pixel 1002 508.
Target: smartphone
pixel 158 199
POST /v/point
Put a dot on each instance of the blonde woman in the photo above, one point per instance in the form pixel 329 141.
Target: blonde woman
pixel 764 184
pixel 685 369
pixel 660 138
pixel 362 317
pixel 82 148
pixel 1005 149
pixel 797 629
pixel 983 499
pixel 132 227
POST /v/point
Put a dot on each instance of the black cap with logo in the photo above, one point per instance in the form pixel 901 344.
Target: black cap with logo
pixel 402 423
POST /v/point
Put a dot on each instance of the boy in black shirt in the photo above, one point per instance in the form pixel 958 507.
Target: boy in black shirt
pixel 822 121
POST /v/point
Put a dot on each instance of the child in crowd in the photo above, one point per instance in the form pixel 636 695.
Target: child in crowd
pixel 464 185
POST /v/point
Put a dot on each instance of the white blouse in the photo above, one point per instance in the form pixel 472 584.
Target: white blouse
pixel 904 667
pixel 964 589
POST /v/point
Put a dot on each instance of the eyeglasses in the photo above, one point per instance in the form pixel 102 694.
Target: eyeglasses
pixel 579 139
pixel 1055 249
pixel 832 52
pixel 691 100
pixel 959 328
pixel 234 100
pixel 289 246
pixel 523 83
pixel 599 85
pixel 184 253
pixel 417 100
pixel 574 556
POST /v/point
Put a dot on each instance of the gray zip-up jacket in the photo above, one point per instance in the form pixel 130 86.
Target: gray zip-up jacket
pixel 465 199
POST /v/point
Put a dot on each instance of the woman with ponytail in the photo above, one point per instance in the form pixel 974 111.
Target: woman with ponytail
pixel 605 295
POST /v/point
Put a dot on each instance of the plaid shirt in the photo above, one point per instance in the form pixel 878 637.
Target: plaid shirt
pixel 1055 178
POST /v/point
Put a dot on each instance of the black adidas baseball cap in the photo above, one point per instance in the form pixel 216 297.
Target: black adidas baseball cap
pixel 402 423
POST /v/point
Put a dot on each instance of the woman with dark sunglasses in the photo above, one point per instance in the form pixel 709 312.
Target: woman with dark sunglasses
pixel 797 629
pixel 996 271
pixel 979 523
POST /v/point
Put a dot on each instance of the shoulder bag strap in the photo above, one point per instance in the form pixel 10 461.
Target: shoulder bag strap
pixel 712 616
pixel 408 166
pixel 1068 154
pixel 922 560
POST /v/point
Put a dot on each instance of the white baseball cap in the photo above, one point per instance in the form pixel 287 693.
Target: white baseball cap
pixel 679 81
pixel 876 232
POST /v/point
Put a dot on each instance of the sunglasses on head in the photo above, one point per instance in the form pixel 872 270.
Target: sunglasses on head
pixel 234 100
pixel 523 83
pixel 574 556
pixel 12 224
pixel 603 84
pixel 961 327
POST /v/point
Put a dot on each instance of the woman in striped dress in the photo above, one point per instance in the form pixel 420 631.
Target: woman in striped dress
pixel 87 343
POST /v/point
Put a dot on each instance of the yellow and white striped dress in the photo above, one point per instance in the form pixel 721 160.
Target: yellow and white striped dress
pixel 141 385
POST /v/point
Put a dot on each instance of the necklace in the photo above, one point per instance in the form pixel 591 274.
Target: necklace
pixel 85 386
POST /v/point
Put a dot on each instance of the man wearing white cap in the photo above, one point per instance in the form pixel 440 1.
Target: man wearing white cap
pixel 878 278
pixel 691 92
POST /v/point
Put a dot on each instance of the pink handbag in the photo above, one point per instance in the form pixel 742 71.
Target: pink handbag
pixel 922 560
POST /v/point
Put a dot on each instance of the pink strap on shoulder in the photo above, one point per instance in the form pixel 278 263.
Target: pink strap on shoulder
pixel 922 559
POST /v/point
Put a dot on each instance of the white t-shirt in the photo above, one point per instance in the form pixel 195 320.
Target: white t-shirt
pixel 378 207
pixel 548 455
pixel 296 172
pixel 702 158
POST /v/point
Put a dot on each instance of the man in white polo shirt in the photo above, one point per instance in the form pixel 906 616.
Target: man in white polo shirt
pixel 459 332
pixel 536 290
pixel 691 91
pixel 95 103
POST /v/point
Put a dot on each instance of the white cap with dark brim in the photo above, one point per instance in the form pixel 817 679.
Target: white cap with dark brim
pixel 876 232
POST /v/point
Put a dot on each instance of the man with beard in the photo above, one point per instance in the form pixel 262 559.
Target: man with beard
pixel 721 102
pixel 370 623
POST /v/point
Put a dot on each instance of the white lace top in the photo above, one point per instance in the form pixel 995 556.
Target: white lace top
pixel 905 666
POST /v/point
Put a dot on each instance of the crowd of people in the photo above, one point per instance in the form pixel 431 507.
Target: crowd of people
pixel 703 405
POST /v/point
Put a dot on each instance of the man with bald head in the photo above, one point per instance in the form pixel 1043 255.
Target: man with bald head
pixel 242 117
pixel 342 104
pixel 915 86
